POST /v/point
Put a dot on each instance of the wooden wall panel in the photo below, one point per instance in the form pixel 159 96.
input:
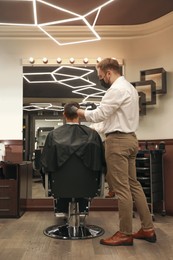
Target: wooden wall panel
pixel 14 154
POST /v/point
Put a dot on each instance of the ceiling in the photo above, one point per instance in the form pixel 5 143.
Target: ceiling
pixel 117 12
pixel 114 13
pixel 76 21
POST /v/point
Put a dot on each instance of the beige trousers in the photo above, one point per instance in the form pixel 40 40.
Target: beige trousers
pixel 120 152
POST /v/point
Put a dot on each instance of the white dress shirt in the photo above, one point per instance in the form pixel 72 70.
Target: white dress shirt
pixel 119 108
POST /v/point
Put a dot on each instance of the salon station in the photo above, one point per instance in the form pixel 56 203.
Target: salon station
pixel 49 52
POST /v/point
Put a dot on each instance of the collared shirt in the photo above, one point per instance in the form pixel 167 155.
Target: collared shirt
pixel 71 123
pixel 119 108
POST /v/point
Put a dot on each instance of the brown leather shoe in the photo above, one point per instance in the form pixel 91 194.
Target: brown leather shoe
pixel 148 235
pixel 111 194
pixel 118 239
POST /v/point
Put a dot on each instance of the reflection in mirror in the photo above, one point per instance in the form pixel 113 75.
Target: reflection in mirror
pixel 42 128
pixel 45 91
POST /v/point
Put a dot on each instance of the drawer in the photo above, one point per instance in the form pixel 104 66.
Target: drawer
pixel 8 183
pixel 8 188
pixel 8 198
pixel 8 206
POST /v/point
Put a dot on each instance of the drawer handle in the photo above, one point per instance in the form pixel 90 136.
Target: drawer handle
pixel 5 186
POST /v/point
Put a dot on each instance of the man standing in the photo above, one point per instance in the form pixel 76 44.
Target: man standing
pixel 119 114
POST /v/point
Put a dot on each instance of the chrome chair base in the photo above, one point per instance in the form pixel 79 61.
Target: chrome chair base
pixel 70 232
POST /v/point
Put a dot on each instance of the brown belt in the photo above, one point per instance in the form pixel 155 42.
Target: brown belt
pixel 117 132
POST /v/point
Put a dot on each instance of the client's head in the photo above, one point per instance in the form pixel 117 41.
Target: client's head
pixel 69 113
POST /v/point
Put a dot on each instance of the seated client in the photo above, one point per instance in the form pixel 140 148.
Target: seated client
pixel 69 139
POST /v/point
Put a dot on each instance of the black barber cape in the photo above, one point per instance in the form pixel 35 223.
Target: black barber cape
pixel 70 139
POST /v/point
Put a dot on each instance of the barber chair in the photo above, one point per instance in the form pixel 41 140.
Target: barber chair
pixel 73 186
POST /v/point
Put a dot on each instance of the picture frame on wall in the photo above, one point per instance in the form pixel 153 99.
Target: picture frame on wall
pixel 158 75
pixel 149 88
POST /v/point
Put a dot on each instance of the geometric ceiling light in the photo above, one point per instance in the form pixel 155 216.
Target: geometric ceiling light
pixel 32 108
pixel 54 108
pixel 68 17
pixel 76 78
pixel 42 106
pixel 89 92
pixel 64 75
pixel 48 106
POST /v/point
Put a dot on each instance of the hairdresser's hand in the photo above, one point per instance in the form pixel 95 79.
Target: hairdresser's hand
pixel 78 111
pixel 81 113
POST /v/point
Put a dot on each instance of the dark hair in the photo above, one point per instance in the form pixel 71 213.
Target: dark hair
pixel 109 64
pixel 69 113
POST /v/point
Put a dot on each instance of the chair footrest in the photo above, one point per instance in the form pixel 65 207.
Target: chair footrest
pixel 71 232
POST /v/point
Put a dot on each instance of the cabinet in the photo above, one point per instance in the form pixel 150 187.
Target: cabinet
pixel 149 166
pixel 15 188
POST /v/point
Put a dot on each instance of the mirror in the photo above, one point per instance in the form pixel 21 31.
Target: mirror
pixel 45 91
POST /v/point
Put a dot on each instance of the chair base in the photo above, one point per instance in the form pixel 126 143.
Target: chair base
pixel 71 233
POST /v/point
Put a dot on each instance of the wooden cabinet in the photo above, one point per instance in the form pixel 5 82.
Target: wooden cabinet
pixel 15 188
